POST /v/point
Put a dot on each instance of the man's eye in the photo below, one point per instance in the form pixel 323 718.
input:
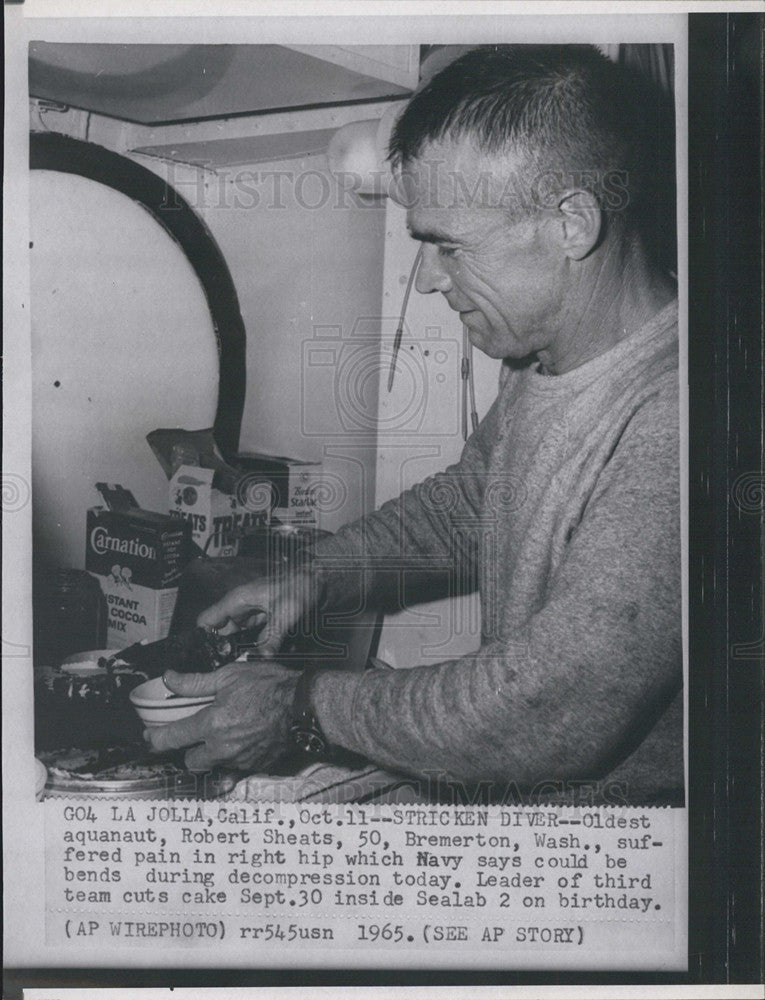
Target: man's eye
pixel 446 251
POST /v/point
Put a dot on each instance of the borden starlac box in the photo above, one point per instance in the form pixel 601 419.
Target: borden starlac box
pixel 296 485
pixel 137 556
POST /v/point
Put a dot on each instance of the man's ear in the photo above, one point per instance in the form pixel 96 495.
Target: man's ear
pixel 578 223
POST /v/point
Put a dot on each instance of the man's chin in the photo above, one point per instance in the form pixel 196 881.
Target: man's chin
pixel 479 339
pixel 472 321
pixel 484 348
pixel 479 336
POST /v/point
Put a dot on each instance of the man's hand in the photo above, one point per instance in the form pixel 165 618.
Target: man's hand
pixel 245 727
pixel 285 600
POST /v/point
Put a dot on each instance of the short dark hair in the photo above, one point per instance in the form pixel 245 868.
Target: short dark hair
pixel 561 108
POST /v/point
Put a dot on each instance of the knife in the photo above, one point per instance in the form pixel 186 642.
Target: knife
pixel 195 650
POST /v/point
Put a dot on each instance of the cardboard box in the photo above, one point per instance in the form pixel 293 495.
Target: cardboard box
pixel 295 485
pixel 217 519
pixel 137 557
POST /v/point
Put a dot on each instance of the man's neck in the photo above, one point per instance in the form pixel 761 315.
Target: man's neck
pixel 617 293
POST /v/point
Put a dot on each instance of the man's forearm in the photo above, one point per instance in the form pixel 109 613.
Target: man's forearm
pixel 501 715
pixel 408 539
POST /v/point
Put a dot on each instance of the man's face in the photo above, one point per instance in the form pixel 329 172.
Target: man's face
pixel 499 271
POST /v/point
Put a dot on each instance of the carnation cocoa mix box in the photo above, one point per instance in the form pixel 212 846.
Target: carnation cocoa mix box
pixel 137 556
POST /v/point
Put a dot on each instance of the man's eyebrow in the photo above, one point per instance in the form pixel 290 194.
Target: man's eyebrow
pixel 431 236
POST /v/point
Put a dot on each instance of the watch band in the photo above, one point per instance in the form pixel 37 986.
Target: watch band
pixel 305 731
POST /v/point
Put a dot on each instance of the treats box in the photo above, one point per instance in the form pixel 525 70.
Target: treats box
pixel 217 518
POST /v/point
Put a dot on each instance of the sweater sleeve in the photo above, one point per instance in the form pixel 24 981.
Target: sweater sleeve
pixel 582 685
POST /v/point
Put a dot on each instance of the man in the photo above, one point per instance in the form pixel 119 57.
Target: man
pixel 521 171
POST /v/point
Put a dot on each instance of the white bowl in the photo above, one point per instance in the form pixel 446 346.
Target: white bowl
pixel 157 705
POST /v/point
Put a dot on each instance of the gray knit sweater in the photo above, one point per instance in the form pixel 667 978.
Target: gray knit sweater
pixel 564 510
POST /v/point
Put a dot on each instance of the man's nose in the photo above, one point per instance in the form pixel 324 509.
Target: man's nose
pixel 431 276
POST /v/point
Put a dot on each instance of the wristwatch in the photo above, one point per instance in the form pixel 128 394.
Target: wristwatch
pixel 305 731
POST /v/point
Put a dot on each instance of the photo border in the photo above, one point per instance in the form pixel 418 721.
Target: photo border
pixel 725 689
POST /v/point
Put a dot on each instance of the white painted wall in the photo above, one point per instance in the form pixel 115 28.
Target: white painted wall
pixel 122 342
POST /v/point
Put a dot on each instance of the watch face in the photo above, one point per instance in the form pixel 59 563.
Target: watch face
pixel 309 741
